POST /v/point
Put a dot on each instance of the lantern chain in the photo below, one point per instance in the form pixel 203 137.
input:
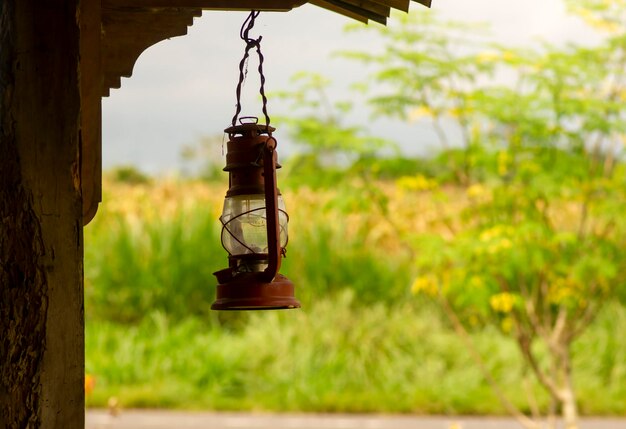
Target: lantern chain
pixel 250 44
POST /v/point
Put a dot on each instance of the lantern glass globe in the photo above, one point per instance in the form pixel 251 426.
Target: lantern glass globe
pixel 245 224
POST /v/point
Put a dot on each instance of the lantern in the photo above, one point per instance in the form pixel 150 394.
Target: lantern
pixel 254 220
pixel 254 225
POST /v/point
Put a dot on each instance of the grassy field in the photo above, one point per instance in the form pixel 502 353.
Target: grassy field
pixel 361 343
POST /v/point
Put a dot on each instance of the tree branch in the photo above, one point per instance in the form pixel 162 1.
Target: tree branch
pixel 546 381
pixel 465 337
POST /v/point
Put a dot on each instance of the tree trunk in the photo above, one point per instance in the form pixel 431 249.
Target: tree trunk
pixel 568 400
pixel 41 243
pixel 570 410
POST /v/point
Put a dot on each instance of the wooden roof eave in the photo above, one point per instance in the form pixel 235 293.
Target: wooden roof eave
pixel 263 5
pixel 129 27
pixel 116 32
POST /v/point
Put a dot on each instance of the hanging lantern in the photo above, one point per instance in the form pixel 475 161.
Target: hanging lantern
pixel 254 219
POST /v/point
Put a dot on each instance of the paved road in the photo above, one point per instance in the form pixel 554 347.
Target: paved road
pixel 132 419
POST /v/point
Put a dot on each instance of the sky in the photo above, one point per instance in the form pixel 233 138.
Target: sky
pixel 184 88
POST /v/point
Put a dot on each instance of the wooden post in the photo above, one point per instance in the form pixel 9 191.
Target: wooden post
pixel 41 241
pixel 91 106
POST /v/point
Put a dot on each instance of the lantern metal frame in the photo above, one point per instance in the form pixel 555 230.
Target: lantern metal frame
pixel 251 162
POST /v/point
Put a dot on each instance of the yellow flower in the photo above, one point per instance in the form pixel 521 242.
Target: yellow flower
pixel 508 55
pixel 491 233
pixel 476 282
pixel 506 325
pixel 474 320
pixel 499 245
pixel 599 23
pixel 419 113
pixel 563 289
pixel 487 57
pixel 455 112
pixel 495 232
pixel 425 284
pixel 476 191
pixel 504 161
pixel 502 302
pixel 416 183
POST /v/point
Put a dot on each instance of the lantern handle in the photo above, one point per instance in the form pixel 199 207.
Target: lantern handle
pixel 251 43
pixel 274 249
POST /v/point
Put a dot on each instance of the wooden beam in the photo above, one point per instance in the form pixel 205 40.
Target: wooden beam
pixel 263 5
pixel 342 5
pixel 131 26
pixel 334 8
pixel 402 5
pixel 41 242
pixel 370 6
pixel 91 113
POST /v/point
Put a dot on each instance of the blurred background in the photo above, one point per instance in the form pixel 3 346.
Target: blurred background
pixel 456 187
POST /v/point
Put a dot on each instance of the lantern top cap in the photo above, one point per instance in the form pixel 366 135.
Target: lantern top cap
pixel 248 127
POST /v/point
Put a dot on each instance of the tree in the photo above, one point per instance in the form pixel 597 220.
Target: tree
pixel 326 142
pixel 536 137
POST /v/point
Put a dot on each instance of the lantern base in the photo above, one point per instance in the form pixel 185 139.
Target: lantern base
pixel 248 292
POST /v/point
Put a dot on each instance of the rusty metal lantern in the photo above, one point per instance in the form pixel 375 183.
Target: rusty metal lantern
pixel 254 219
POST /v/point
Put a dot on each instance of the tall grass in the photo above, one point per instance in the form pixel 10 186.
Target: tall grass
pixel 332 356
pixel 360 343
pixel 152 248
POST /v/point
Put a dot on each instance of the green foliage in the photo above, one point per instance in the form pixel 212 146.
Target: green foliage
pixel 138 262
pixel 203 158
pixel 326 144
pixel 128 174
pixel 334 355
pixel 547 142
pixel 515 227
pixel 155 247
pixel 339 264
pixel 541 130
pixel 358 345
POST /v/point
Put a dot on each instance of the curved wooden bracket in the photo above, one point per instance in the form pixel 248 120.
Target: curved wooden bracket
pixel 111 41
pixel 128 31
pixel 90 66
pixel 129 27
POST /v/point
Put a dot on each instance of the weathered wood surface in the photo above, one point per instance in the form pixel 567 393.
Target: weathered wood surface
pixel 91 79
pixel 268 5
pixel 41 242
pixel 126 33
